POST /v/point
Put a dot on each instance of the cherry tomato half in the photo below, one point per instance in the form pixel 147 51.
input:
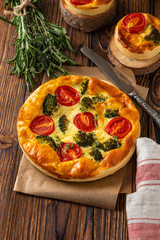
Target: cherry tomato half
pixel 69 151
pixel 119 127
pixel 134 22
pixel 81 2
pixel 42 125
pixel 67 95
pixel 85 121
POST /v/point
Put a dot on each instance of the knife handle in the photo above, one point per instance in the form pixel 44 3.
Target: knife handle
pixel 151 112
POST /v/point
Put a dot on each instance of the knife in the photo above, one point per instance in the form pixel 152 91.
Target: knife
pixel 125 86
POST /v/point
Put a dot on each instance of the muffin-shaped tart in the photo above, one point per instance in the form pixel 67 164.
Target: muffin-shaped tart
pixel 136 43
pixel 87 15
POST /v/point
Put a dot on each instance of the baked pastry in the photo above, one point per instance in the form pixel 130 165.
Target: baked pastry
pixel 136 43
pixel 87 15
pixel 78 128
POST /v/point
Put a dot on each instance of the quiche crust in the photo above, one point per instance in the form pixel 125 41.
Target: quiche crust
pixel 84 168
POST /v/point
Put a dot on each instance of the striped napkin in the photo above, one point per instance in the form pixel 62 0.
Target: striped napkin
pixel 143 206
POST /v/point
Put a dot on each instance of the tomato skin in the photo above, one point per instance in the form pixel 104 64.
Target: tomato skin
pixel 80 2
pixel 69 151
pixel 42 125
pixel 85 122
pixel 119 127
pixel 134 22
pixel 67 96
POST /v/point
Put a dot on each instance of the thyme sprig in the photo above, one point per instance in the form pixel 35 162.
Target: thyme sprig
pixel 39 45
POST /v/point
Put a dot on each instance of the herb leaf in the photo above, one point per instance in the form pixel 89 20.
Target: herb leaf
pixel 39 46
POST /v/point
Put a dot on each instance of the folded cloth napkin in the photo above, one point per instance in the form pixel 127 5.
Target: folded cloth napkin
pixel 143 206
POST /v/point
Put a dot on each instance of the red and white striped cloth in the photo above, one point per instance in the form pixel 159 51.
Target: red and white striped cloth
pixel 143 206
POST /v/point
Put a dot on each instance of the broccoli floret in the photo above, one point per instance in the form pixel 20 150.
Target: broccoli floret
pixel 50 105
pixel 99 98
pixel 113 143
pixel 63 123
pixel 153 36
pixel 86 103
pixel 84 86
pixel 96 154
pixel 84 139
pixel 111 113
pixel 47 140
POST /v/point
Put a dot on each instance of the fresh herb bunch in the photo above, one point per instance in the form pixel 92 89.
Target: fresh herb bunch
pixel 39 46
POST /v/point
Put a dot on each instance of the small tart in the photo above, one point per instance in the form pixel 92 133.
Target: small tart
pixel 88 16
pixel 78 128
pixel 136 43
pixel 141 43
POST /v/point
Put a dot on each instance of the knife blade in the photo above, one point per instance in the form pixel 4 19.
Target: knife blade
pixel 123 84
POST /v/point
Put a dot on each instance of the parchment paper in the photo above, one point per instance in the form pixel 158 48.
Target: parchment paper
pixel 101 193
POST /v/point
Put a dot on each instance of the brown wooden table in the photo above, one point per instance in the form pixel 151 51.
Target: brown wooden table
pixel 28 217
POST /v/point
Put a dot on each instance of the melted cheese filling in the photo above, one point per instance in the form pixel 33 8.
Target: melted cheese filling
pixel 70 113
pixel 89 9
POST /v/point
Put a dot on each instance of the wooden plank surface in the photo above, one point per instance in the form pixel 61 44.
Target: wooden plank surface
pixel 28 217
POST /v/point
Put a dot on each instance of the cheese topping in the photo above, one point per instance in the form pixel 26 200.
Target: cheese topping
pixel 70 113
pixel 97 7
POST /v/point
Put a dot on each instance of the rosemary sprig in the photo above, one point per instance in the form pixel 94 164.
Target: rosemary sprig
pixel 5 20
pixel 39 45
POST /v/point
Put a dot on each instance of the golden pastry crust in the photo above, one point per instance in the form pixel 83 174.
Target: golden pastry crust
pixel 136 45
pixel 84 168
